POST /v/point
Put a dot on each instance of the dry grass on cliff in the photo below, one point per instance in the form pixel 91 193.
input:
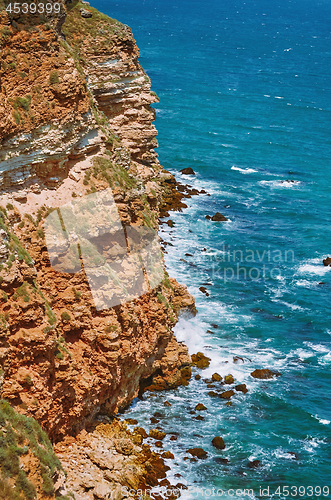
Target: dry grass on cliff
pixel 82 33
pixel 24 446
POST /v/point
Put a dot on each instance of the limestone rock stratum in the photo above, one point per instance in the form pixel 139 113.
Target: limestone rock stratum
pixel 76 119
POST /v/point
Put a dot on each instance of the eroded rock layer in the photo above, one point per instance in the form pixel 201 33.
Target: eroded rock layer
pixel 75 119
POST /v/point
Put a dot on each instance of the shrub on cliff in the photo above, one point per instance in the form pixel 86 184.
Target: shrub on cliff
pixel 22 441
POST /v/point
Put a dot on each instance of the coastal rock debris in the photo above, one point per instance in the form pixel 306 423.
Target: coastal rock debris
pixel 200 360
pixel 218 217
pixel 265 374
pixel 156 434
pixel 241 388
pixel 228 379
pixel 187 171
pixel 227 394
pixel 197 452
pixel 218 443
pixel 200 407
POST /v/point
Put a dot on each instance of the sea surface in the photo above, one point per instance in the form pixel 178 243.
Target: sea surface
pixel 245 100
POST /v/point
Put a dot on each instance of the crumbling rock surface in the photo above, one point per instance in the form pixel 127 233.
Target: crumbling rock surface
pixel 76 118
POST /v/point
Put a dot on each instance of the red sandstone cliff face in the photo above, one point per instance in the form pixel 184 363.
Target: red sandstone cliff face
pixel 84 125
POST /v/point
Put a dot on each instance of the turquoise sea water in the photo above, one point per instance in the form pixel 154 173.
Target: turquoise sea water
pixel 244 91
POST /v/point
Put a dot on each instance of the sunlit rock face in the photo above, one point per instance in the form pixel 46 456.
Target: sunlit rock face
pixel 76 120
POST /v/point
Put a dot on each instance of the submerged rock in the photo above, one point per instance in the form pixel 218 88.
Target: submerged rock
pixel 254 464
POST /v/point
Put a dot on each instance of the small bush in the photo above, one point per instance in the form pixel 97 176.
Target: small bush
pixel 23 102
pixel 77 294
pixel 17 117
pixel 65 316
pixel 54 77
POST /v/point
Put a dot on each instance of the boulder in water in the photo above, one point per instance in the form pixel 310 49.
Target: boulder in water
pixel 265 374
pixel 156 434
pixel 187 171
pixel 200 360
pixel 200 407
pixel 197 452
pixel 241 388
pixel 227 394
pixel 218 443
pixel 327 261
pixel 218 217
pixel 228 379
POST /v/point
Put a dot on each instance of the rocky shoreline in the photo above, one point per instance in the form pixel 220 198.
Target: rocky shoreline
pixel 76 119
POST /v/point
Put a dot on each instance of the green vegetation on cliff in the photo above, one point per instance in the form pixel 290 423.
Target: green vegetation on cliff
pixel 24 447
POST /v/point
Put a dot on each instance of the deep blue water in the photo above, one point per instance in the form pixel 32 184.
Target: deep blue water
pixel 245 101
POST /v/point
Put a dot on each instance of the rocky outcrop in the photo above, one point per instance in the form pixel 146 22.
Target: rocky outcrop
pixel 76 119
pixel 109 462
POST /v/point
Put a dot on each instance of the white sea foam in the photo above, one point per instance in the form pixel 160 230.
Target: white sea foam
pixel 280 184
pixel 317 347
pixel 312 268
pixel 244 170
pixel 294 307
pixel 229 146
pixel 322 420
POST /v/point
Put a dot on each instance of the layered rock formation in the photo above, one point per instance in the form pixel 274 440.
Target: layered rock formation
pixel 76 118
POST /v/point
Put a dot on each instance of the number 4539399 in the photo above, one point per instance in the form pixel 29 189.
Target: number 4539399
pixel 33 8
pixel 303 491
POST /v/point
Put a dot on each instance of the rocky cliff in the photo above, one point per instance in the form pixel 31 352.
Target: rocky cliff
pixel 76 119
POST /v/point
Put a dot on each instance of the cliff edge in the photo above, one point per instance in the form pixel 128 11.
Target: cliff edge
pixel 76 119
